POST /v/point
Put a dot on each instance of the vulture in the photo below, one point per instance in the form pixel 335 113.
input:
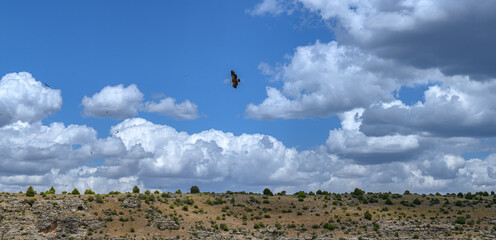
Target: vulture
pixel 235 79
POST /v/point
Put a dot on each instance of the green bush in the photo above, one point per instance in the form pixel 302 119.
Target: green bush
pixel 51 191
pixel 194 189
pixel 136 189
pixel 30 192
pixel 267 192
pixel 389 202
pixel 460 220
pixel 88 191
pixel 367 215
pixel 99 199
pixel 75 192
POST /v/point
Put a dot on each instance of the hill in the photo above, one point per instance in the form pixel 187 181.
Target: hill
pixel 356 215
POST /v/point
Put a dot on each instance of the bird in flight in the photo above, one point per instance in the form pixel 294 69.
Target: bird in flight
pixel 235 79
pixel 116 132
pixel 47 85
pixel 187 75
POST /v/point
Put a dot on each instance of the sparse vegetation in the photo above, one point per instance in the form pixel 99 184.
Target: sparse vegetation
pixel 358 214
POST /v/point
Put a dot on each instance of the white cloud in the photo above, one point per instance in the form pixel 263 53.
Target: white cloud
pixel 155 156
pixel 324 79
pixel 168 106
pixel 114 101
pixel 459 107
pixel 274 7
pixel 22 98
pixel 455 37
pixel 123 102
pixel 350 142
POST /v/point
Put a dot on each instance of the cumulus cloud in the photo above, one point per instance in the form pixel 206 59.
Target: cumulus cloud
pixel 456 37
pixel 22 98
pixel 113 101
pixel 124 102
pixel 349 142
pixel 168 106
pixel 329 78
pixel 460 107
pixel 35 148
pixel 155 156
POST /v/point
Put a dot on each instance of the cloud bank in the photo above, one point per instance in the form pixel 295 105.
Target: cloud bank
pixel 121 102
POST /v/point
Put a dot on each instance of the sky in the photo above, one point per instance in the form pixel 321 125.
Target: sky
pixel 376 94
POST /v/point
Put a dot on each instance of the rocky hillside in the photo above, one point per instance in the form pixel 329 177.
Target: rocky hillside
pixel 247 216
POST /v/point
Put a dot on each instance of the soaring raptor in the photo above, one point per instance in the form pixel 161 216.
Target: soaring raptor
pixel 235 79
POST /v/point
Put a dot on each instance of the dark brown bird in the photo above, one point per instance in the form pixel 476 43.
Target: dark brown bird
pixel 235 79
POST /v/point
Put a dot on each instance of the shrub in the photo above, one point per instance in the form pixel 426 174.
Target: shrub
pixel 267 192
pixel 156 192
pixel 194 189
pixel 460 220
pixel 179 191
pixel 417 201
pixel 302 194
pixel 357 193
pixel 99 199
pixel 136 189
pixel 367 215
pixel 51 191
pixel 30 192
pixel 223 226
pixel 329 226
pixel 88 191
pixel 469 196
pixel 389 202
pixel 415 236
pixel 407 192
pixel 75 192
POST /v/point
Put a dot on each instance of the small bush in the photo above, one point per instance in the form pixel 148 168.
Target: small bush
pixel 88 191
pixel 267 192
pixel 136 189
pixel 195 189
pixel 30 192
pixel 367 215
pixel 75 192
pixel 51 191
pixel 460 220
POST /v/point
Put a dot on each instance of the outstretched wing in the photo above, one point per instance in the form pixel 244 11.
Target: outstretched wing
pixel 234 76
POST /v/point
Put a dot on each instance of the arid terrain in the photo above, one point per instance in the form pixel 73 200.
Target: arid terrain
pixel 239 215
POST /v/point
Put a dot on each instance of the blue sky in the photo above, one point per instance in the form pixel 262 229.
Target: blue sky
pixel 80 48
pixel 330 91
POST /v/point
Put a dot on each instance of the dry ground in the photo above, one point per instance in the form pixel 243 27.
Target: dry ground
pixel 254 215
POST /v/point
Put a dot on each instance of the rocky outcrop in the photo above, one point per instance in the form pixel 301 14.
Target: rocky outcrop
pixel 30 218
pixel 131 202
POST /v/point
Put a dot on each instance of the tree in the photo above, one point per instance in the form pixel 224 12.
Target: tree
pixel 75 192
pixel 51 191
pixel 469 196
pixel 136 189
pixel 407 192
pixel 30 192
pixel 88 191
pixel 267 192
pixel 195 189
